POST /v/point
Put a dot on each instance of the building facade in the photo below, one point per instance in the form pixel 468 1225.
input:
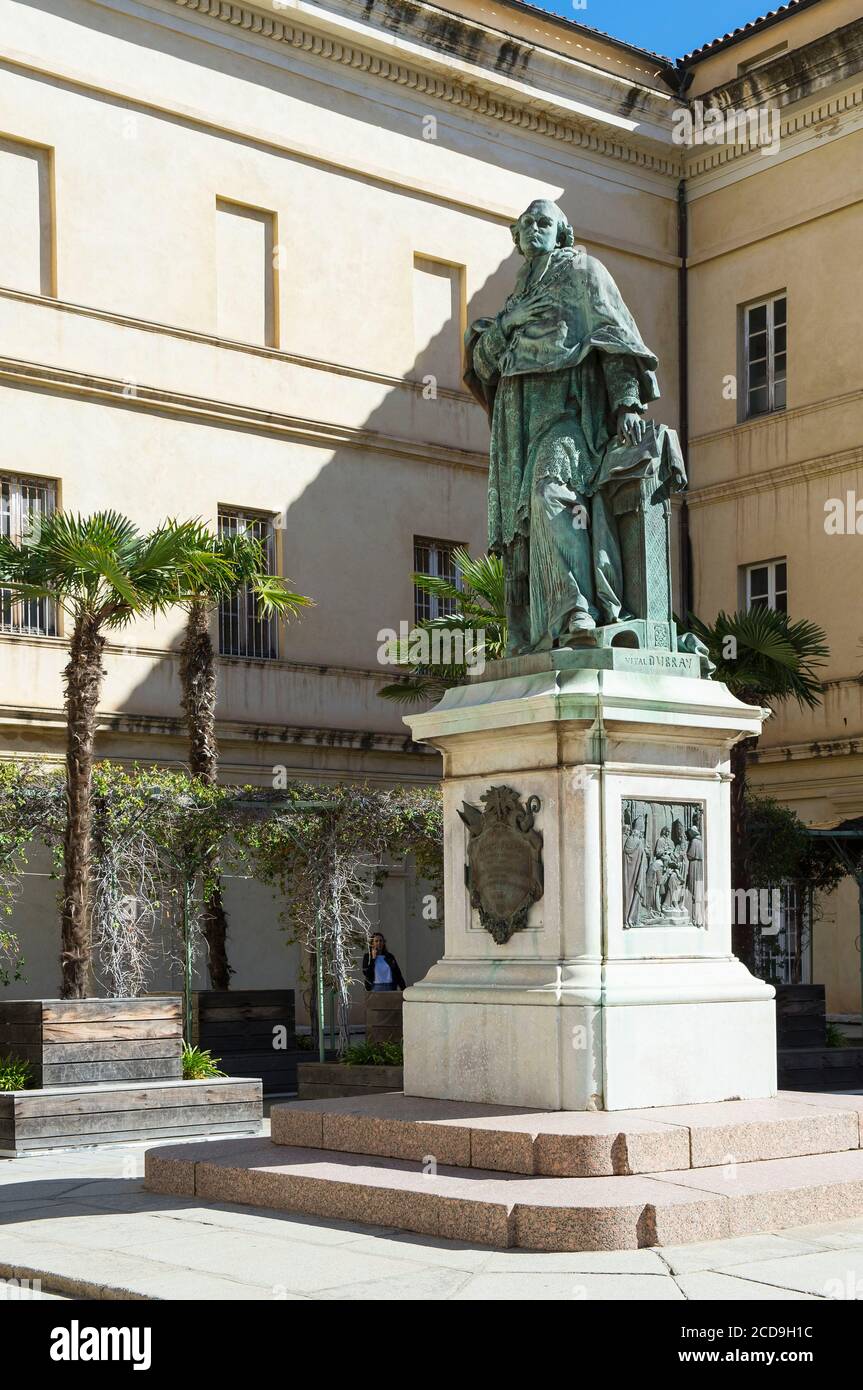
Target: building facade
pixel 773 289
pixel 241 245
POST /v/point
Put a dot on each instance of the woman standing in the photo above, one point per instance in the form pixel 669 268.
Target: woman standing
pixel 380 967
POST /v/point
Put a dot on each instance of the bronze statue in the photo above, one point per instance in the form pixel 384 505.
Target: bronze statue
pixel 565 377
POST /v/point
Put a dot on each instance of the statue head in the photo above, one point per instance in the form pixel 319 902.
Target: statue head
pixel 541 228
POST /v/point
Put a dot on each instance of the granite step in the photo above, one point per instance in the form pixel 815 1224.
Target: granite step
pixel 505 1209
pixel 579 1144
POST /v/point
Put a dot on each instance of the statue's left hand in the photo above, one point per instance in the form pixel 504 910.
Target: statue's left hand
pixel 630 426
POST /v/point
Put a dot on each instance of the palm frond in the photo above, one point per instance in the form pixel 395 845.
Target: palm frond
pixel 762 653
pixel 273 596
pixel 438 587
pixel 478 615
pixel 483 577
pixel 414 691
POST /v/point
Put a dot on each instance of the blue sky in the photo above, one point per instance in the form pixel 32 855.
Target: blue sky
pixel 672 27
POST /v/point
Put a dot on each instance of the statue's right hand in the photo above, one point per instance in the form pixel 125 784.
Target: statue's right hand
pixel 526 311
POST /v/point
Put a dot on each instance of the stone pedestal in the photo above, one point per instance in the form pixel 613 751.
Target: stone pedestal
pixel 619 990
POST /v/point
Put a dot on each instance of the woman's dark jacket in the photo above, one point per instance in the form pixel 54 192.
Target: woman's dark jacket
pixel 369 970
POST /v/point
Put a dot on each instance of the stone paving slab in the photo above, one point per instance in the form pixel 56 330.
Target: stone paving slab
pixel 836 1274
pixel 724 1285
pixel 575 1287
pixel 717 1254
pixel 570 1143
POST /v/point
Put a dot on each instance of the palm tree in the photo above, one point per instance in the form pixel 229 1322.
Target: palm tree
pixel 103 574
pixel 245 564
pixel 479 616
pixel 765 659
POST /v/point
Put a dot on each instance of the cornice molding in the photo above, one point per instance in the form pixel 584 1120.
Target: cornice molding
pixel 793 76
pixel 830 61
pixel 786 476
pixel 799 130
pixel 231 731
pixel 536 112
pixel 813 750
pixel 791 414
pixel 318 433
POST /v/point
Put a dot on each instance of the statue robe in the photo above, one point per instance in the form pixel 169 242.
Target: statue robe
pixel 695 878
pixel 634 878
pixel 552 389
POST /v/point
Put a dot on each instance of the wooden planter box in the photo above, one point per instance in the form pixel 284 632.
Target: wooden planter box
pixel 821 1069
pixel 384 1015
pixel 801 1016
pixel 71 1042
pixel 242 1026
pixel 64 1117
pixel 324 1080
pixel 109 1071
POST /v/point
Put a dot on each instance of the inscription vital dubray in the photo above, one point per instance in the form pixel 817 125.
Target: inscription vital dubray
pixel 503 873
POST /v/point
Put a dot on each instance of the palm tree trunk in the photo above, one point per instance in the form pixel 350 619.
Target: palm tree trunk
pixel 198 679
pixel 743 932
pixel 83 684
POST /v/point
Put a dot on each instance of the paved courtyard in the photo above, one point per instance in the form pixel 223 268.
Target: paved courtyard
pixel 82 1223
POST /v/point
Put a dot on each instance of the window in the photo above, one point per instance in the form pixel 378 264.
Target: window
pixel 23 502
pixel 435 558
pixel 25 197
pixel 764 355
pixel 241 631
pixel 246 303
pixel 767 585
pixel 765 56
pixel 438 300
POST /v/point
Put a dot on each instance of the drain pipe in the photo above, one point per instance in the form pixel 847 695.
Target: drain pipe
pixel 686 576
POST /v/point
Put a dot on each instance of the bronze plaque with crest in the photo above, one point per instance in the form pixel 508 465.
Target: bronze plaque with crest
pixel 504 871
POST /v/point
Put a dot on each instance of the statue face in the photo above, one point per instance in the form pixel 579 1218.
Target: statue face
pixel 537 229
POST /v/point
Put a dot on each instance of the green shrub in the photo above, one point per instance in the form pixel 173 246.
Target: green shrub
pixel 15 1075
pixel 380 1054
pixel 198 1064
pixel 835 1036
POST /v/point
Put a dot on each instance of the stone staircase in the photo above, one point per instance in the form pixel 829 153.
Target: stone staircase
pixel 540 1180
